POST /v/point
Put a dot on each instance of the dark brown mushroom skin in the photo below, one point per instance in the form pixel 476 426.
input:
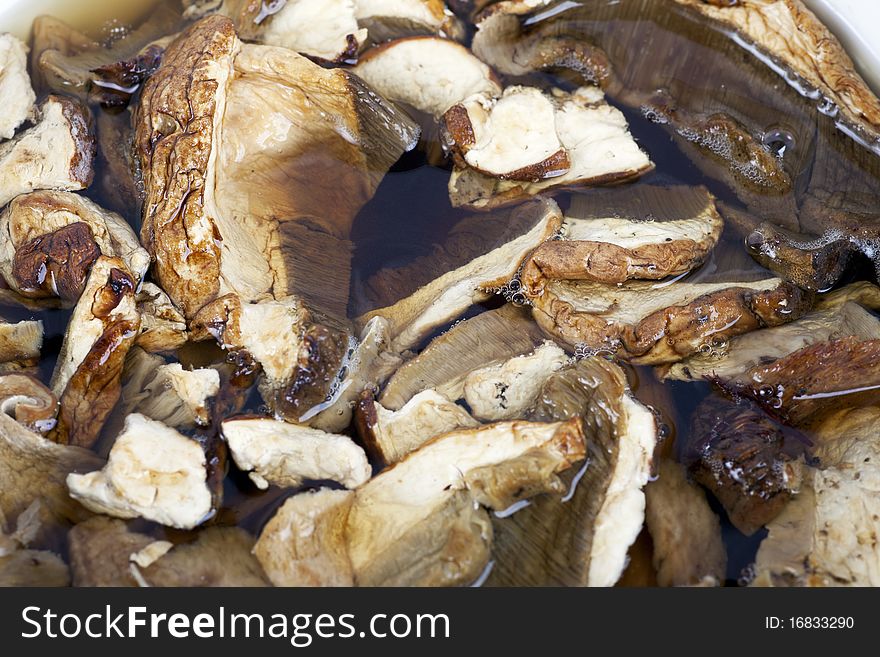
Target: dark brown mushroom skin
pixel 82 164
pixel 121 79
pixel 56 263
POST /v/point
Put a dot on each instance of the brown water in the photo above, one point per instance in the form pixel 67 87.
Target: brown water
pixel 704 73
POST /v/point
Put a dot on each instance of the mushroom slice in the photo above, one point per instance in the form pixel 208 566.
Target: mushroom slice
pixel 103 552
pixel 643 233
pixel 391 19
pixel 166 392
pixel 51 239
pixel 825 536
pixel 489 338
pixel 33 568
pixel 391 435
pixel 505 391
pixel 274 452
pixel 163 326
pixel 594 135
pixel 685 532
pixel 450 295
pixel 152 472
pixel 15 86
pixel 583 540
pixel 751 350
pixel 57 153
pixel 28 402
pixel 428 73
pixel 87 374
pixel 304 542
pixel 654 323
pixel 20 342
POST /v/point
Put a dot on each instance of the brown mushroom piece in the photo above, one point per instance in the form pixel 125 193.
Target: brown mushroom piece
pixel 430 74
pixel 58 152
pixel 489 338
pixel 283 454
pixel 15 86
pixel 644 232
pixel 51 240
pixel 22 567
pixel 20 343
pixel 583 538
pixel 28 402
pixel 685 532
pixel 385 20
pixel 101 330
pixel 417 523
pixel 654 323
pixel 152 472
pixel 163 326
pixel 504 244
pixel 105 552
pixel 594 138
pixel 388 435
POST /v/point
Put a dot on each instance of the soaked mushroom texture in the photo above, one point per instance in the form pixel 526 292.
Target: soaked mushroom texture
pixel 438 293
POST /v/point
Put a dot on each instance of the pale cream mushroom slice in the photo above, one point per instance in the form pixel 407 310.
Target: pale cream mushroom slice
pixel 16 91
pixel 27 401
pixel 20 343
pixel 507 390
pixel 51 239
pixel 283 454
pixel 390 435
pixel 653 323
pixel 101 330
pixel 594 135
pixel 428 73
pixel 498 259
pixel 685 532
pixel 163 326
pixel 583 538
pixel 153 472
pixel 490 338
pixel 58 152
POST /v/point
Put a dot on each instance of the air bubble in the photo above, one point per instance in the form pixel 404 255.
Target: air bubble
pixel 778 141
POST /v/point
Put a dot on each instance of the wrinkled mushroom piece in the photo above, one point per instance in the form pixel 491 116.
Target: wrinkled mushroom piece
pixel 15 86
pixel 685 532
pixel 489 338
pixel 283 454
pixel 58 152
pixel 20 342
pixel 163 326
pixel 594 135
pixel 32 568
pixel 51 239
pixel 104 552
pixel 496 263
pixel 391 19
pixel 152 472
pixel 612 236
pixel 430 74
pixel 583 539
pixel 654 323
pixel 390 435
pixel 28 402
pixel 101 330
pixel 505 391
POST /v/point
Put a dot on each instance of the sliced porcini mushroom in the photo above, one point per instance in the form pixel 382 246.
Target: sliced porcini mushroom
pixel 654 323
pixel 594 135
pixel 489 338
pixel 105 552
pixel 510 48
pixel 751 350
pixel 646 233
pixel 428 73
pixel 685 532
pixel 51 240
pixel 153 472
pixel 57 153
pixel 283 454
pixel 391 19
pixel 447 297
pixel 268 217
pixel 101 330
pixel 583 539
pixel 747 460
pixel 20 342
pixel 15 86
pixel 166 392
pixel 506 390
pixel 826 536
pixel 390 435
pixel 163 326
pixel 28 402
pixel 304 543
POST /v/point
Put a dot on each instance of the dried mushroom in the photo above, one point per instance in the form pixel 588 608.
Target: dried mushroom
pixel 152 472
pixel 28 402
pixel 15 86
pixel 22 567
pixel 163 326
pixel 20 342
pixel 386 20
